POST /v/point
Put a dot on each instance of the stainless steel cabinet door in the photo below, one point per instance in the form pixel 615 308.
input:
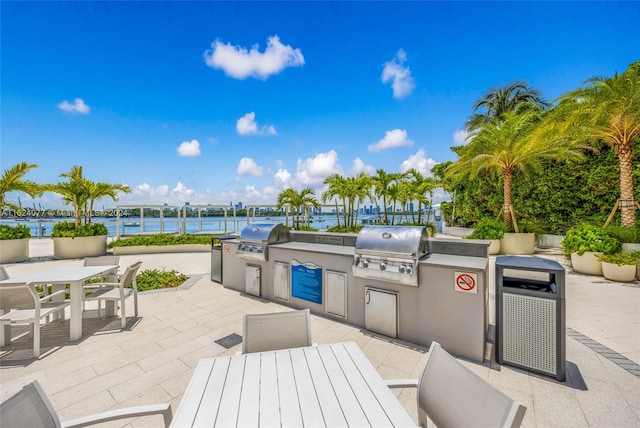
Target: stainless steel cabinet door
pixel 252 278
pixel 281 281
pixel 381 311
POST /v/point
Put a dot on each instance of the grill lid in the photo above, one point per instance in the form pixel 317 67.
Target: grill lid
pixel 265 233
pixel 401 241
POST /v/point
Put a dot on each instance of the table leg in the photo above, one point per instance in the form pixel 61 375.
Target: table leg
pixel 75 319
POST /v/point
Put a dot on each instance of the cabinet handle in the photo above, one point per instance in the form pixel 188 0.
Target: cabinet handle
pixel 368 297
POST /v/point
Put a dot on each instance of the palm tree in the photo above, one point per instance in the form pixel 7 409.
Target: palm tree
pixel 82 193
pixel 101 190
pixel 298 201
pixel 494 105
pixel 381 184
pixel 336 189
pixel 421 190
pixel 514 145
pixel 357 189
pixel 608 109
pixel 73 191
pixel 13 181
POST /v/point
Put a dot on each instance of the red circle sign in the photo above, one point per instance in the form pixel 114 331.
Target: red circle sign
pixel 465 282
pixel 226 248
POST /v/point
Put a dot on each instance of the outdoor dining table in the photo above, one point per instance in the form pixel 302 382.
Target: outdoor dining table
pixel 75 276
pixel 331 385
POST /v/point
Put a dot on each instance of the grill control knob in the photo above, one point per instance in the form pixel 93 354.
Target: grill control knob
pixel 383 266
pixel 408 269
pixel 365 263
pixel 401 268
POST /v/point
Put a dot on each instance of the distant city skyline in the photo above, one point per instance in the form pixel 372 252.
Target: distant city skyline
pixel 217 102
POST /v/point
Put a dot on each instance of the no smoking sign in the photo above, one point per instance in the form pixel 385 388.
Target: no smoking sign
pixel 466 282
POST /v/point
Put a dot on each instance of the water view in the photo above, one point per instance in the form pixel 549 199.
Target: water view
pixel 41 228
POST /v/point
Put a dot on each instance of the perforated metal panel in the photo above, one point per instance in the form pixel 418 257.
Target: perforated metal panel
pixel 529 335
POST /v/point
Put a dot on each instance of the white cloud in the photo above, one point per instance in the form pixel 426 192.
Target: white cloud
pixel 460 137
pixel 400 76
pixel 248 166
pixel 419 162
pixel 247 125
pixel 282 179
pixel 239 62
pixel 359 166
pixel 393 138
pixel 189 149
pixel 313 171
pixel 78 107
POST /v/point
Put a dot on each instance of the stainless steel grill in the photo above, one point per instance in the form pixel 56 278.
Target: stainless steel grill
pixel 390 253
pixel 255 239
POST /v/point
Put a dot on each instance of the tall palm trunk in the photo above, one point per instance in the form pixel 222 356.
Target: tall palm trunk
pixel 507 174
pixel 627 208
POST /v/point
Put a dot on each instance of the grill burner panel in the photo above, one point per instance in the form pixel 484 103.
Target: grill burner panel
pixel 390 253
pixel 255 240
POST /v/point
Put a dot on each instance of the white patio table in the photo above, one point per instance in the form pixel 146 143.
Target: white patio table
pixel 331 385
pixel 75 276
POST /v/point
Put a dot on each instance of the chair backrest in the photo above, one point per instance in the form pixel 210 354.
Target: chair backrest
pixel 29 408
pixel 102 261
pixel 281 330
pixel 129 276
pixel 17 296
pixel 451 395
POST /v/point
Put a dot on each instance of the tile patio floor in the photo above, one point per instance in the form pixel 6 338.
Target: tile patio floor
pixel 153 358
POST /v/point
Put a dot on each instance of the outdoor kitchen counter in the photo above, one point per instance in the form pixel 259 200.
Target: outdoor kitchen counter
pixel 448 305
pixel 337 250
pixel 448 260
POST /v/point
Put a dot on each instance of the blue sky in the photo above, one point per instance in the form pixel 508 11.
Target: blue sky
pixel 219 102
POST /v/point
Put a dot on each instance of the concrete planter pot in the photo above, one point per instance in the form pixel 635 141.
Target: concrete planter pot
pixel 150 249
pixel 518 243
pixel 613 272
pixel 457 231
pixel 494 247
pixel 632 248
pixel 550 241
pixel 14 250
pixel 587 263
pixel 84 246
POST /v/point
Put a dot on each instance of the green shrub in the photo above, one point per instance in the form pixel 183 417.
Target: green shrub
pixel 589 238
pixel 154 279
pixel 65 229
pixel 620 258
pixel 19 231
pixel 161 239
pixel 345 229
pixel 488 228
pixel 625 234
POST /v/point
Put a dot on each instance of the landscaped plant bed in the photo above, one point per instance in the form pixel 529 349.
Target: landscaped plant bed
pixel 161 243
pixel 155 279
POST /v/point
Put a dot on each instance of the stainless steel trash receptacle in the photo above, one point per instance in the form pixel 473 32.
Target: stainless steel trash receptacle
pixel 216 257
pixel 530 315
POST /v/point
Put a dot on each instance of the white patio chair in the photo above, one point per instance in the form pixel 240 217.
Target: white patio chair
pixel 451 395
pixel 102 261
pixel 117 291
pixel 30 408
pixel 280 330
pixel 22 304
